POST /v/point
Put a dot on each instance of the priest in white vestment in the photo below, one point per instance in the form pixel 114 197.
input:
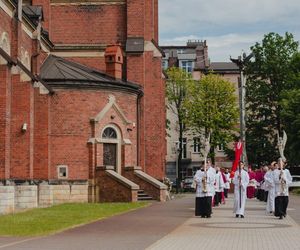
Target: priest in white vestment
pixel 240 181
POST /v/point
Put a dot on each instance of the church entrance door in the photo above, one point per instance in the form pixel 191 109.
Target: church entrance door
pixel 110 155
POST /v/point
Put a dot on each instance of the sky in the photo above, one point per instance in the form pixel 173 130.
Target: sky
pixel 230 27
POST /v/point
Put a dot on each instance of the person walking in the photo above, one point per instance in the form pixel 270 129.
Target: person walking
pixel 240 181
pixel 282 180
pixel 205 179
pixel 227 182
pixel 270 186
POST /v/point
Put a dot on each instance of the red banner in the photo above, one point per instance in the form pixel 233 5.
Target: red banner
pixel 238 152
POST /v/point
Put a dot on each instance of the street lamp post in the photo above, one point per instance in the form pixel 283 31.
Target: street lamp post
pixel 177 174
pixel 240 62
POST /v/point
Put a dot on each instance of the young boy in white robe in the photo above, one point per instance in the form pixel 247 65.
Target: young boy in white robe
pixel 219 187
pixel 240 181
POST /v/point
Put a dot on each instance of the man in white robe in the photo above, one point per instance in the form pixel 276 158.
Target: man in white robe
pixel 282 180
pixel 270 187
pixel 204 191
pixel 219 186
pixel 240 181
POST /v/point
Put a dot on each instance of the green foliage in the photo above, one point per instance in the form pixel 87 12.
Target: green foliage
pixel 177 84
pixel 43 221
pixel 176 89
pixel 290 102
pixel 267 77
pixel 212 107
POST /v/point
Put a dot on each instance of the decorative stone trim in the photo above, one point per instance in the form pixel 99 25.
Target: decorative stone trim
pixel 111 104
pixel 150 179
pixel 124 181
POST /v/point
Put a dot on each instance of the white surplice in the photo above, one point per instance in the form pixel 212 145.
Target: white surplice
pixel 270 187
pixel 282 184
pixel 210 180
pixel 239 207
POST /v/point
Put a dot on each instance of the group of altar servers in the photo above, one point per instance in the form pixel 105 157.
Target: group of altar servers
pixel 212 187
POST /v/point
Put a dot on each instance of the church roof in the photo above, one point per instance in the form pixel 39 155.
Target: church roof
pixel 223 66
pixel 58 72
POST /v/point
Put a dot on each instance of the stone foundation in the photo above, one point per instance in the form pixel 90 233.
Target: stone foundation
pixel 7 199
pixel 19 197
pixel 26 197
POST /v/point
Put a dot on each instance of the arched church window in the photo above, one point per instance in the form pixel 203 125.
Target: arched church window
pixel 109 133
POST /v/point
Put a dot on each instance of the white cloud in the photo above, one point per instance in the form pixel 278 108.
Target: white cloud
pixel 229 26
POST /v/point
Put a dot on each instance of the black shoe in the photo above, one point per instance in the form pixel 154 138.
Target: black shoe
pixel 236 216
pixel 284 215
pixel 280 217
pixel 202 216
pixel 208 216
pixel 242 216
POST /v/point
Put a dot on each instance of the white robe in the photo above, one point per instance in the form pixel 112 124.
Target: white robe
pixel 282 189
pixel 219 183
pixel 227 184
pixel 209 183
pixel 270 187
pixel 240 208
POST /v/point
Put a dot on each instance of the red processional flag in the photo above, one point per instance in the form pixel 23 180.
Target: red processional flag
pixel 238 153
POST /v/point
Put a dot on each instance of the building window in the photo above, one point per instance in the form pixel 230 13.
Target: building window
pixel 187 66
pixel 109 133
pixel 165 64
pixel 221 147
pixel 196 145
pixel 62 171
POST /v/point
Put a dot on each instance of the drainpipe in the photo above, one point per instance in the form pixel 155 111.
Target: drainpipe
pixel 138 110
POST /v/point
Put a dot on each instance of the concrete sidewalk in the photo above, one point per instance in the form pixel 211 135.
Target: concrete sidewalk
pixel 172 225
pixel 223 231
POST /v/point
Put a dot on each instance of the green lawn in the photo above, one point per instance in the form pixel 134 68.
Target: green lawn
pixel 296 191
pixel 43 221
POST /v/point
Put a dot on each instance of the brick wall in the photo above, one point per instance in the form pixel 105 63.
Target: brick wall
pixel 91 24
pixel 71 127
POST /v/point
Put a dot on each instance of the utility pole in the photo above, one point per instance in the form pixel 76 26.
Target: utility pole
pixel 240 62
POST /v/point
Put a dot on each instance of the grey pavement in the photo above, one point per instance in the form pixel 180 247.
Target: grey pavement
pixel 172 225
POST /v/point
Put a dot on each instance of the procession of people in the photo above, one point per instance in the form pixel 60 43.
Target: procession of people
pixel 269 184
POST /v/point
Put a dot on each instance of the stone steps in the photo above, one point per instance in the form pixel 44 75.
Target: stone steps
pixel 142 196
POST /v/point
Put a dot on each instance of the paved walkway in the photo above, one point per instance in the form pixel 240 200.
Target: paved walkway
pixel 172 225
pixel 223 231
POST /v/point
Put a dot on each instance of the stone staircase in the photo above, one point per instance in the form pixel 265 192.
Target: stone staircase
pixel 142 196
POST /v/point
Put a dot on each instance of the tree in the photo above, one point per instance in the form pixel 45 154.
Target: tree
pixel 290 103
pixel 177 83
pixel 267 77
pixel 212 108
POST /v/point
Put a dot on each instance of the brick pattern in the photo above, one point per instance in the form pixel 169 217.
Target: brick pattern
pixel 111 190
pixel 58 126
pixel 155 192
pixel 91 24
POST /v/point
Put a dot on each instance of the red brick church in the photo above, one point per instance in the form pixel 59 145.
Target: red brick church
pixel 82 105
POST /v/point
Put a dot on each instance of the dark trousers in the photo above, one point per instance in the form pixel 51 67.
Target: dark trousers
pixel 203 206
pixel 266 196
pixel 217 198
pixel 281 203
pixel 226 192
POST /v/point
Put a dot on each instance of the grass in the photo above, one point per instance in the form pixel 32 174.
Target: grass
pixel 44 221
pixel 296 191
